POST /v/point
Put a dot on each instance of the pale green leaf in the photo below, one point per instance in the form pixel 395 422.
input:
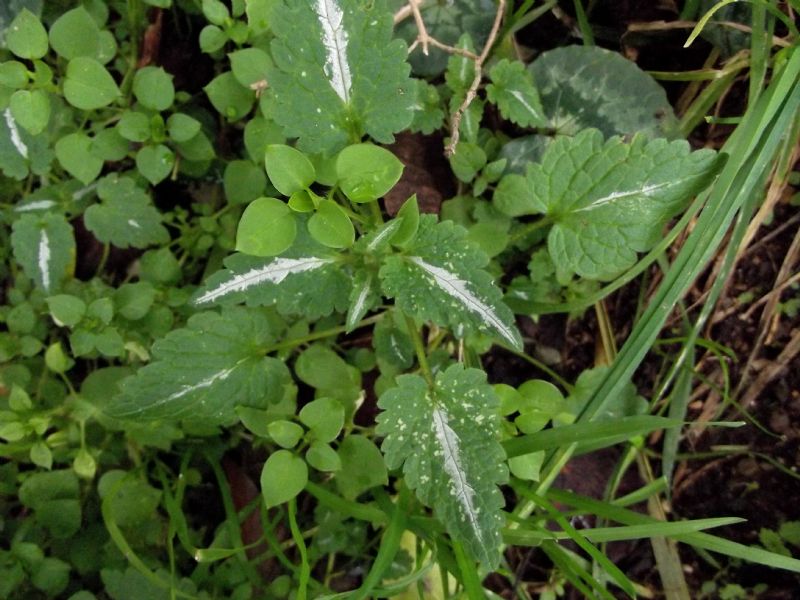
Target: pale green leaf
pixel 88 85
pixel 441 278
pixel 74 153
pixel 267 228
pixel 75 33
pixel 155 163
pixel 45 247
pixel 231 99
pixel 26 36
pixel 31 110
pixel 283 477
pixel 331 226
pixel 339 75
pixel 153 87
pixel 203 371
pixel 514 93
pixel 608 200
pixel 445 438
pixel 367 172
pixel 126 216
pixel 588 86
pixel 288 169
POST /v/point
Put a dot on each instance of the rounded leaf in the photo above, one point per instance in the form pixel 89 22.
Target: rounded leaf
pixel 324 417
pixel 74 153
pixel 74 34
pixel 266 228
pixel 26 37
pixel 88 85
pixel 331 226
pixel 285 433
pixel 323 458
pixel 153 88
pixel 155 162
pixel 31 110
pixel 289 170
pixel 283 477
pixel 244 181
pixel 367 172
pixel 182 128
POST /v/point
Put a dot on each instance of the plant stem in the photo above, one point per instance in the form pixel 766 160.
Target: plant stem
pixel 305 569
pixel 319 335
pixel 419 348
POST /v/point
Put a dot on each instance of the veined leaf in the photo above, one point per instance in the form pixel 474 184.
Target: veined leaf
pixel 126 216
pixel 446 440
pixel 19 150
pixel 45 247
pixel 441 279
pixel 306 280
pixel 338 73
pixel 608 200
pixel 203 371
pixel 513 92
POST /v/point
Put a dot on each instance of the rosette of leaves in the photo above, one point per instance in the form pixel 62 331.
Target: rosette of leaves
pixel 338 73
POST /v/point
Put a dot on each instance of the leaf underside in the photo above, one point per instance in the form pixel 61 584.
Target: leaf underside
pixel 446 440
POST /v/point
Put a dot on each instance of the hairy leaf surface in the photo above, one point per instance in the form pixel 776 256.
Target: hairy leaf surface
pixel 203 371
pixel 45 247
pixel 446 440
pixel 338 74
pixel 512 90
pixel 441 278
pixel 608 200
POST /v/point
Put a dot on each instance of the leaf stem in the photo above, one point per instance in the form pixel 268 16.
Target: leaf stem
pixel 319 335
pixel 419 348
pixel 305 570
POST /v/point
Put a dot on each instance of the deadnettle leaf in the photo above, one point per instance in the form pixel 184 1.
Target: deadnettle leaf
pixel 428 112
pixel 45 247
pixel 445 438
pixel 441 278
pixel 513 92
pixel 203 371
pixel 608 200
pixel 126 216
pixel 307 280
pixel 338 74
pixel 19 150
pixel 587 86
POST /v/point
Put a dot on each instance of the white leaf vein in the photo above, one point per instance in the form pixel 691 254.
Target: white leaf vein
pixel 334 38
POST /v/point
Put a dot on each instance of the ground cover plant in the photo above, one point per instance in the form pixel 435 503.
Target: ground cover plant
pixel 278 277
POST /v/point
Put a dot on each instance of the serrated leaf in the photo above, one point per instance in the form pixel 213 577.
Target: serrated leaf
pixel 45 247
pixel 363 298
pixel 445 438
pixel 608 200
pixel 203 371
pixel 126 216
pixel 441 278
pixel 587 86
pixel 305 280
pixel 428 111
pixel 513 92
pixel 338 74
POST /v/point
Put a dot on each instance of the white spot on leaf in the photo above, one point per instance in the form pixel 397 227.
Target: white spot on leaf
pixel 274 272
pixel 35 205
pixel 334 38
pixel 134 224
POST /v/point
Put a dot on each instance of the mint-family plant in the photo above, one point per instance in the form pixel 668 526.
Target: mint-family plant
pixel 193 274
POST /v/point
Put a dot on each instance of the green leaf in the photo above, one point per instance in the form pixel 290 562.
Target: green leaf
pixel 441 278
pixel 74 153
pixel 134 300
pixel 513 92
pixel 155 163
pixel 409 213
pixel 45 248
pixel 203 371
pixel 288 169
pixel 362 467
pixel 467 161
pixel 267 228
pixel 607 200
pixel 324 417
pixel 31 110
pixel 339 75
pixel 231 99
pixel 135 126
pixel 306 279
pixel 331 226
pixel 182 127
pixel 75 34
pixel 445 438
pixel 88 85
pixel 285 433
pixel 153 88
pixel 13 74
pixel 428 111
pixel 611 94
pixel 109 145
pixel 66 310
pixel 283 477
pixel 26 36
pixel 322 457
pixel 244 181
pixel 250 65
pixel 126 216
pixel 211 39
pixel 367 172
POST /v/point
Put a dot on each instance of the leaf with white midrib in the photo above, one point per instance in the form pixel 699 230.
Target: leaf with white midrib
pixel 205 370
pixel 445 438
pixel 334 39
pixel 442 279
pixel 44 245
